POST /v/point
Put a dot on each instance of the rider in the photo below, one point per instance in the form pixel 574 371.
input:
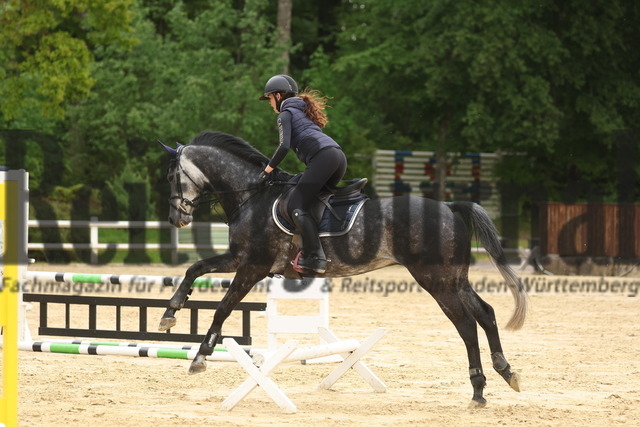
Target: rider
pixel 301 118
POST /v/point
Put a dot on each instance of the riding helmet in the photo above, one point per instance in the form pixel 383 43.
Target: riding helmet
pixel 280 83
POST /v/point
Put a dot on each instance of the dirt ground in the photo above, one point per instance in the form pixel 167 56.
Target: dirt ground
pixel 578 356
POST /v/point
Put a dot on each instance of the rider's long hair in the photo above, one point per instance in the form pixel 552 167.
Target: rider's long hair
pixel 316 103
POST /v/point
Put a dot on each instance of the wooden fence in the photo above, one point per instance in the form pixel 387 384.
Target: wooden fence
pixel 590 229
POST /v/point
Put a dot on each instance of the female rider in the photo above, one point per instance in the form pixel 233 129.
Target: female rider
pixel 301 118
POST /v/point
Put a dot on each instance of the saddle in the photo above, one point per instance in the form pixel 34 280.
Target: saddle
pixel 333 212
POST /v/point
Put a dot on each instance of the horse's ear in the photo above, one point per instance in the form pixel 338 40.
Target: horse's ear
pixel 171 151
pixel 178 144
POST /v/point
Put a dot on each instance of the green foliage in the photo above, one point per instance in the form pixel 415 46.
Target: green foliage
pixel 553 82
pixel 546 80
pixel 205 74
pixel 66 194
pixel 121 187
pixel 47 53
pixel 346 117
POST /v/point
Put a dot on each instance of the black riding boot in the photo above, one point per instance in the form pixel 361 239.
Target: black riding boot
pixel 313 257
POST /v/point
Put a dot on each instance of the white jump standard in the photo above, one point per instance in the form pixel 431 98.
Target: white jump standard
pixel 350 350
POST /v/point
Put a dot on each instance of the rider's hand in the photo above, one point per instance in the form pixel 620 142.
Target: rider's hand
pixel 263 177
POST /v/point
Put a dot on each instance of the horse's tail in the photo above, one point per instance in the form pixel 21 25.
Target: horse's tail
pixel 477 220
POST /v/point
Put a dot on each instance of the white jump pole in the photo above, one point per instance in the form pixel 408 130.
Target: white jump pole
pixel 323 350
pixel 42 278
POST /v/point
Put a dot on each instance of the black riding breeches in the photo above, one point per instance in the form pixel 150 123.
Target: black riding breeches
pixel 325 169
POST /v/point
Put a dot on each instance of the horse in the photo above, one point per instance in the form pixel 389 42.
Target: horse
pixel 431 239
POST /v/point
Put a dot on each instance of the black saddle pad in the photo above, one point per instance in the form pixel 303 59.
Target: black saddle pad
pixel 329 225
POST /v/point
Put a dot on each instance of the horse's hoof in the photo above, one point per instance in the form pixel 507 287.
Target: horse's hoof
pixel 477 404
pixel 198 365
pixel 167 323
pixel 514 381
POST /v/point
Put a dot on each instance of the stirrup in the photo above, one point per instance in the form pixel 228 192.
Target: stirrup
pixel 320 268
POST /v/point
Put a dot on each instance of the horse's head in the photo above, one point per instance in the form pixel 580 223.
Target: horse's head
pixel 216 165
pixel 187 185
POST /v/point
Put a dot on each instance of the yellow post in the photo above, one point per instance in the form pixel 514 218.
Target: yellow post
pixel 11 211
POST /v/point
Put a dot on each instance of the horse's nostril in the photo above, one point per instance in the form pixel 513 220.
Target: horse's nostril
pixel 170 220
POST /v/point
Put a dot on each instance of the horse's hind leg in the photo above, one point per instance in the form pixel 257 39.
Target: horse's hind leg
pixel 221 263
pixel 485 316
pixel 449 301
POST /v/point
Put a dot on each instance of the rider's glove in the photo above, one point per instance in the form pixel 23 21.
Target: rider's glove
pixel 263 177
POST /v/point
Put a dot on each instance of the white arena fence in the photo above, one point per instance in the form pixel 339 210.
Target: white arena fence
pixel 469 177
pixel 218 231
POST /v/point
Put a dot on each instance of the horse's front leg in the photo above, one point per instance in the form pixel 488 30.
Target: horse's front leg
pixel 241 285
pixel 224 263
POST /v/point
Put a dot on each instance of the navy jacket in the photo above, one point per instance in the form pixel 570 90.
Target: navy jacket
pixel 298 133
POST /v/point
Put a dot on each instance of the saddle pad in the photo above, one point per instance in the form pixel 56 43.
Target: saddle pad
pixel 329 225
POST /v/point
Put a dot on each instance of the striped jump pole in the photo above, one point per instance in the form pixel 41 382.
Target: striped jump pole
pixel 124 344
pixel 101 348
pixel 44 278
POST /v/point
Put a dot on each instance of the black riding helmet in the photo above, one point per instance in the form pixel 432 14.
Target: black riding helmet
pixel 280 83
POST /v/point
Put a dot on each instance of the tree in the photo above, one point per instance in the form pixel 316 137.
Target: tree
pixel 554 82
pixel 46 50
pixel 284 26
pixel 535 78
pixel 205 71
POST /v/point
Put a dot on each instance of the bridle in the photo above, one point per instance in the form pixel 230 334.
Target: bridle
pixel 206 194
pixel 186 206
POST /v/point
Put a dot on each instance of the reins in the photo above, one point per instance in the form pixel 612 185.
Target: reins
pixel 233 213
pixel 204 192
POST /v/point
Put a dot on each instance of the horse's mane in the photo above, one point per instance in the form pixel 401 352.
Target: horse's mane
pixel 238 147
pixel 231 144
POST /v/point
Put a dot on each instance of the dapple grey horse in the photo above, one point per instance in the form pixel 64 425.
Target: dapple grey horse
pixel 431 239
